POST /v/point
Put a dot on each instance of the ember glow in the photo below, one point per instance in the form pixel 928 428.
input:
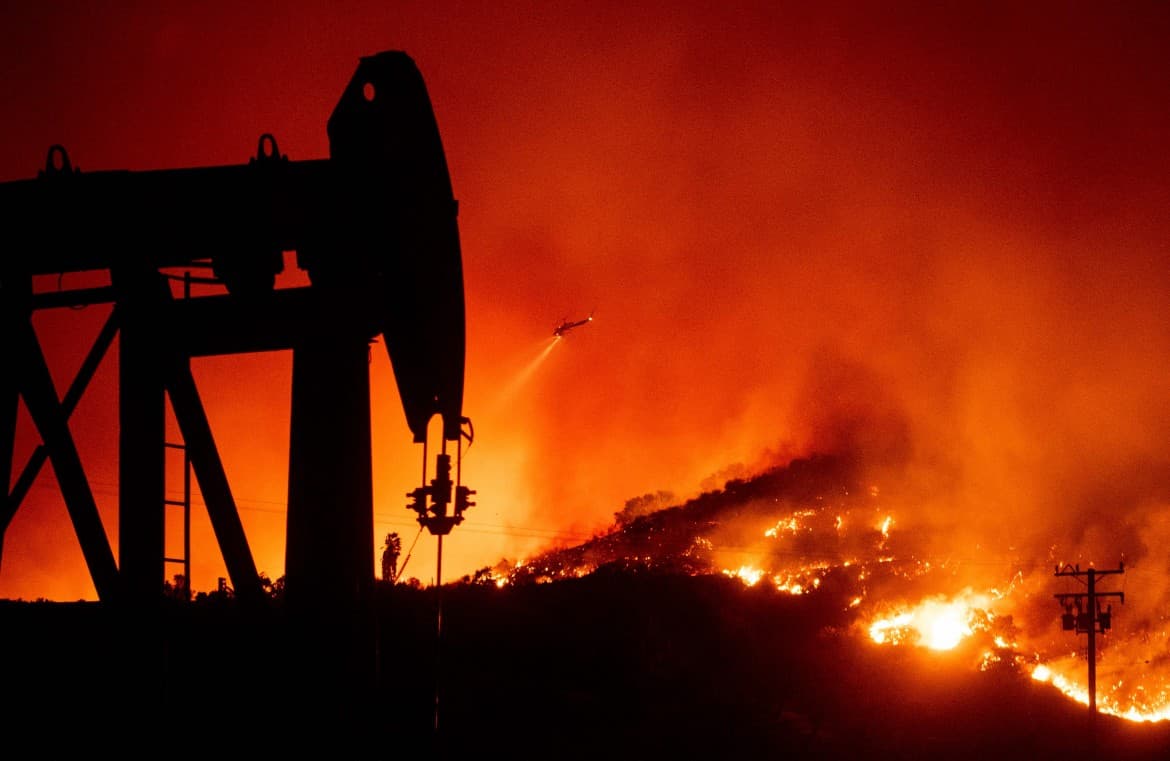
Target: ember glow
pixel 796 583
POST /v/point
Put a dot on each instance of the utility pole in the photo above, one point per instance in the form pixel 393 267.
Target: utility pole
pixel 1089 618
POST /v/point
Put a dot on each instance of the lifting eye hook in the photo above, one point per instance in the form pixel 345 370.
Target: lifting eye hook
pixel 267 150
pixel 57 162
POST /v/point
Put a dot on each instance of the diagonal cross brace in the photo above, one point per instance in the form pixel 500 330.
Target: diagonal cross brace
pixel 213 483
pixel 35 385
pixel 69 403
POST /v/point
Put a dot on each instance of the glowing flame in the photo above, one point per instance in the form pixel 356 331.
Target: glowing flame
pixel 800 582
pixel 796 584
pixel 790 524
pixel 747 574
pixel 1156 708
pixel 936 623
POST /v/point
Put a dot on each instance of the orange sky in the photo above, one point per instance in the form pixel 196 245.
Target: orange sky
pixel 937 231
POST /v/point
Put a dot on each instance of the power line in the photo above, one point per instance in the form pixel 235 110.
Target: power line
pixel 274 507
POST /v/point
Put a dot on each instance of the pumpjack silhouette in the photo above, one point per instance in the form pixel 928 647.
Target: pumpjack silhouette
pixel 375 227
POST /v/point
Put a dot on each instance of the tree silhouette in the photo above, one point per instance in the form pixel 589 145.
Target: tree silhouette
pixel 636 507
pixel 178 589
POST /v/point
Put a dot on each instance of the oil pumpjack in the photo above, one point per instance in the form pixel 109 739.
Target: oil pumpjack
pixel 375 227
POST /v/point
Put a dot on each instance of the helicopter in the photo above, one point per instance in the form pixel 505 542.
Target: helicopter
pixel 566 325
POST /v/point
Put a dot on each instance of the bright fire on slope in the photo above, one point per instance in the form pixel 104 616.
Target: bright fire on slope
pixel 855 547
pixel 937 623
pixel 942 624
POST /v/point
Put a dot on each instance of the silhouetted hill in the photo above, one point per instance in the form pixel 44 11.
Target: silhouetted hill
pixel 614 665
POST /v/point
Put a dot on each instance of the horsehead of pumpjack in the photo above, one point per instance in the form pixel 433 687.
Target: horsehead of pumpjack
pixel 396 190
pixel 391 166
pixel 394 213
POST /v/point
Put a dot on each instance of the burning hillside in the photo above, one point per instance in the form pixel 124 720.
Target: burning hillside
pixel 823 526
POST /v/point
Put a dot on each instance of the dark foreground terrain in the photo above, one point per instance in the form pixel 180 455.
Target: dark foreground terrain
pixel 617 666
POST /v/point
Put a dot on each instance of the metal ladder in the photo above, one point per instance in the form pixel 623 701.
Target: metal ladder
pixel 185 502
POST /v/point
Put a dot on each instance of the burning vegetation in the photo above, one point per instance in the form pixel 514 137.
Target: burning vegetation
pixel 820 526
